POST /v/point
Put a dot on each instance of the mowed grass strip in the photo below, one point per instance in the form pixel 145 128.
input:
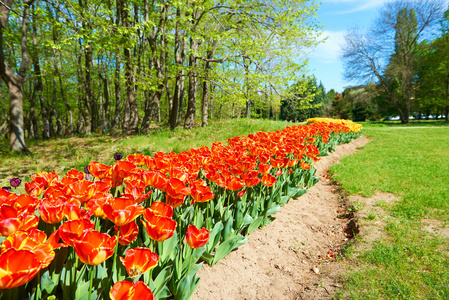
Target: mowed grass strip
pixel 64 154
pixel 408 262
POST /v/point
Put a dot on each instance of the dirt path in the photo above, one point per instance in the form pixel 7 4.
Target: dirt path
pixel 292 257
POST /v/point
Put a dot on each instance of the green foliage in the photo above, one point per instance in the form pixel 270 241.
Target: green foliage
pixel 304 102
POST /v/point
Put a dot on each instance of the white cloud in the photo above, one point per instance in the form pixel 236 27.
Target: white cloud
pixel 351 6
pixel 330 50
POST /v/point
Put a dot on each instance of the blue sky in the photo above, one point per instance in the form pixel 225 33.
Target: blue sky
pixel 337 16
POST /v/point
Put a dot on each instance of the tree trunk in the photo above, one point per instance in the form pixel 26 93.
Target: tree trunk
pixel 15 82
pixel 91 118
pixel 105 106
pixel 180 53
pixel 131 116
pixel 33 119
pixel 191 103
pixel 118 99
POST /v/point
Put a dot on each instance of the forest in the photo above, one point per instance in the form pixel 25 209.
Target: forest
pixel 82 66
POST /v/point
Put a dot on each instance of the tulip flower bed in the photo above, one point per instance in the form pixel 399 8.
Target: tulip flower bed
pixel 142 228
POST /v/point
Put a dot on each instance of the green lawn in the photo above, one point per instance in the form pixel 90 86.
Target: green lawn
pixel 408 262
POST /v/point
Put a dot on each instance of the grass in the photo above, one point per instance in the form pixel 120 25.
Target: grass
pixel 64 154
pixel 409 263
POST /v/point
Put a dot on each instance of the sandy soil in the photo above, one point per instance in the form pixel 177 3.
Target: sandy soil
pixel 292 257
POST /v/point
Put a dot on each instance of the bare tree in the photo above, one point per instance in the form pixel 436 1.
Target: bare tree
pixel 386 53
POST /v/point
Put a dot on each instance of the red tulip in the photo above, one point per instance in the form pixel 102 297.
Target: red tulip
pixel 72 230
pixel 34 188
pixel 125 290
pixel 177 189
pixel 17 267
pixel 121 211
pixel 195 237
pixel 52 211
pixel 159 228
pixel 35 241
pixel 121 170
pixel 304 165
pixel 128 233
pixel 25 203
pixel 174 202
pixel 202 193
pixel 155 179
pixel 139 260
pixel 160 208
pixel 96 203
pixel 269 180
pixel 94 247
pixel 11 221
pixel 98 170
pixel 264 169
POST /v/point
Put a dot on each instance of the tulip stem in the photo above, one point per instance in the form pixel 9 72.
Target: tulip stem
pixel 115 255
pixel 91 280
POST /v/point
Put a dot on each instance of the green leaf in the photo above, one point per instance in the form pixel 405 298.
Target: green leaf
pixel 227 246
pixel 284 200
pixel 160 283
pixel 46 283
pixel 82 291
pixel 254 225
pixel 299 193
pixel 207 257
pixel 214 237
pixel 164 293
pixel 247 220
pixel 274 209
pixel 228 231
pixel 167 247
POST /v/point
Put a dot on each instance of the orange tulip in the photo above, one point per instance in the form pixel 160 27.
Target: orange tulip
pixel 251 179
pixel 195 237
pixel 128 233
pixel 159 228
pixel 35 241
pixel 98 170
pixel 174 202
pixel 25 203
pixel 160 208
pixel 11 221
pixel 202 193
pixel 72 230
pixel 94 247
pixel 121 211
pixel 155 179
pixel 137 159
pixel 17 267
pixel 34 188
pixel 139 260
pixel 177 189
pixel 73 211
pixel 96 203
pixel 52 211
pixel 125 290
pixel 269 180
pixel 304 165
pixel 121 170
pixel 46 179
pixel 233 183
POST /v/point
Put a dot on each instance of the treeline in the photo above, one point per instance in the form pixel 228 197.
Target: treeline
pixel 403 61
pixel 82 66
